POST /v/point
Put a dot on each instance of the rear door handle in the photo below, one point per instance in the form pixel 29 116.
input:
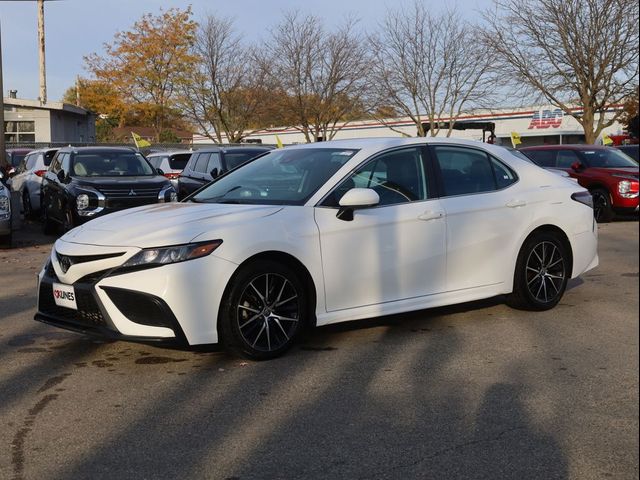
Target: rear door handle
pixel 516 203
pixel 430 215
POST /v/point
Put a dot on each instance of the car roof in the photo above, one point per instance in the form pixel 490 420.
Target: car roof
pixel 229 148
pixel 19 150
pixel 169 152
pixel 566 147
pixel 97 149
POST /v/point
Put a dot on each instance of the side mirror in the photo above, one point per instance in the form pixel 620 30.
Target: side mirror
pixel 160 171
pixel 577 165
pixel 214 173
pixel 356 198
pixel 61 176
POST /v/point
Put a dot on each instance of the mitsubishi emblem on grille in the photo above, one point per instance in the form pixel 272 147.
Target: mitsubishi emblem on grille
pixel 131 192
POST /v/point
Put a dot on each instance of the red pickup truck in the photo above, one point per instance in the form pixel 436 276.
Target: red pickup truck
pixel 610 175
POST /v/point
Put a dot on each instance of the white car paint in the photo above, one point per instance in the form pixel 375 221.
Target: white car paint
pixel 390 259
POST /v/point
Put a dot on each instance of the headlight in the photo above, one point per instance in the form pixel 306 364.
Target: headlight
pixel 628 188
pixel 82 201
pixel 4 204
pixel 154 257
pixel 167 194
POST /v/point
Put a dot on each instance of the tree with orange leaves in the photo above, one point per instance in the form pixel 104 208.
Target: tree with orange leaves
pixel 146 64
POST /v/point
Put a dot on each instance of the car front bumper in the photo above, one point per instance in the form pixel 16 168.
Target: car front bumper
pixel 174 304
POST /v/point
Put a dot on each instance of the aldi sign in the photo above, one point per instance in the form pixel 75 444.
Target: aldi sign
pixel 546 119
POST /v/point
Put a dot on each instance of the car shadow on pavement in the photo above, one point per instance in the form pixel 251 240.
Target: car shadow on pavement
pixel 392 405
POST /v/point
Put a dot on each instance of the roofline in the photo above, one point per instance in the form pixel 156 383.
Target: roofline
pixel 66 107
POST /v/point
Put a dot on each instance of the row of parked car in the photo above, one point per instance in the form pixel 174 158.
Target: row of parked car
pixel 71 185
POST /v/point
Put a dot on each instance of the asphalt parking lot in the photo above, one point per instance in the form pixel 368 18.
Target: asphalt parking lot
pixel 473 391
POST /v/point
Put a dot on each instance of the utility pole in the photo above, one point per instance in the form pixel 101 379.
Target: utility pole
pixel 3 153
pixel 41 53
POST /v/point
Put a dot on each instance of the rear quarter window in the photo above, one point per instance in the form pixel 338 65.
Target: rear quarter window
pixel 179 161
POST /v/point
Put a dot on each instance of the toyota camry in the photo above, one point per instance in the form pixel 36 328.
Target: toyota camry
pixel 323 233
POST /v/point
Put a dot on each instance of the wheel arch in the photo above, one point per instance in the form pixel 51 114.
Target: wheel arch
pixel 554 229
pixel 288 260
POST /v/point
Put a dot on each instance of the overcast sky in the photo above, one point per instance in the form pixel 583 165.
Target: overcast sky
pixel 75 28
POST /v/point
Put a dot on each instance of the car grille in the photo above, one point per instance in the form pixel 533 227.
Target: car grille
pixel 131 192
pixel 88 312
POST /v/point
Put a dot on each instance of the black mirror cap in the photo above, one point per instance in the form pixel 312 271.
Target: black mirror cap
pixel 61 175
pixel 160 171
pixel 214 173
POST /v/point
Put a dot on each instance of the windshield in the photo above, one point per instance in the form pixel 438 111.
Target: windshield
pixel 281 177
pixel 111 164
pixel 608 158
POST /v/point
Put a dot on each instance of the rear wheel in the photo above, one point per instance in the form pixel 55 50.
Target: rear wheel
pixel 6 240
pixel 26 205
pixel 48 225
pixel 602 208
pixel 542 273
pixel 264 310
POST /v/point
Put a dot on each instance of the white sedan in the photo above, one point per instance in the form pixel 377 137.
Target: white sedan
pixel 323 233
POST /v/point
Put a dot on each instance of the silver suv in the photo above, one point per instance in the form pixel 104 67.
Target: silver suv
pixel 28 178
pixel 170 163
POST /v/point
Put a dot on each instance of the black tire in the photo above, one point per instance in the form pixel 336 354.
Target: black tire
pixel 26 205
pixel 68 222
pixel 542 272
pixel 258 325
pixel 48 225
pixel 6 240
pixel 602 208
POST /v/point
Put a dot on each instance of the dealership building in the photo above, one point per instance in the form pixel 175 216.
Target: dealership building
pixel 29 121
pixel 536 125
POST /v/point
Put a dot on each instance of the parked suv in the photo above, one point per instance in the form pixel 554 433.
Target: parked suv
pixel 211 162
pixel 610 176
pixel 13 158
pixel 170 164
pixel 28 178
pixel 84 183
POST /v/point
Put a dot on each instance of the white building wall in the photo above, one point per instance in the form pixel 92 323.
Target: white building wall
pixel 535 125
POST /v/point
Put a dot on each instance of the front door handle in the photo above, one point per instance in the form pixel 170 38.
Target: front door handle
pixel 430 215
pixel 516 203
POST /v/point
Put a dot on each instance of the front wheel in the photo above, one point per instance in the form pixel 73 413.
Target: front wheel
pixel 542 273
pixel 264 311
pixel 602 208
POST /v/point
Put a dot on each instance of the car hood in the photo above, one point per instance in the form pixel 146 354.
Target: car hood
pixel 626 171
pixel 130 181
pixel 164 224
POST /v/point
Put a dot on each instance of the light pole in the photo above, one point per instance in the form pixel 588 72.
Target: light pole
pixel 41 56
pixel 3 152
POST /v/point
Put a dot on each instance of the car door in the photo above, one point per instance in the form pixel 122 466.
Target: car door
pixel 55 191
pixel 390 252
pixel 485 210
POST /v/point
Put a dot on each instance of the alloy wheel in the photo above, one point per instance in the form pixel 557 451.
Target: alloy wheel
pixel 545 272
pixel 268 312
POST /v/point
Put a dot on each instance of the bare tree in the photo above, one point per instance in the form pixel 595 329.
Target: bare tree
pixel 569 52
pixel 321 74
pixel 226 90
pixel 429 67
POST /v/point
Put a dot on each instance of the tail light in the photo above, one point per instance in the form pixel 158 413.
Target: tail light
pixel 40 173
pixel 172 176
pixel 584 198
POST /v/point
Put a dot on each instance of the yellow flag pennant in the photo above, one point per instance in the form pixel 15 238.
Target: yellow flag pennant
pixel 279 142
pixel 606 139
pixel 515 139
pixel 139 141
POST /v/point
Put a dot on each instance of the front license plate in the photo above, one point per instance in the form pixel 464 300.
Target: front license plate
pixel 64 296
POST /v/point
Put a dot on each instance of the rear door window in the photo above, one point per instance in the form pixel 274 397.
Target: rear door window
pixel 464 170
pixel 179 161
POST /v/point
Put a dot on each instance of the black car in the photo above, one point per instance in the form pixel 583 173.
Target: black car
pixel 84 183
pixel 631 150
pixel 211 162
